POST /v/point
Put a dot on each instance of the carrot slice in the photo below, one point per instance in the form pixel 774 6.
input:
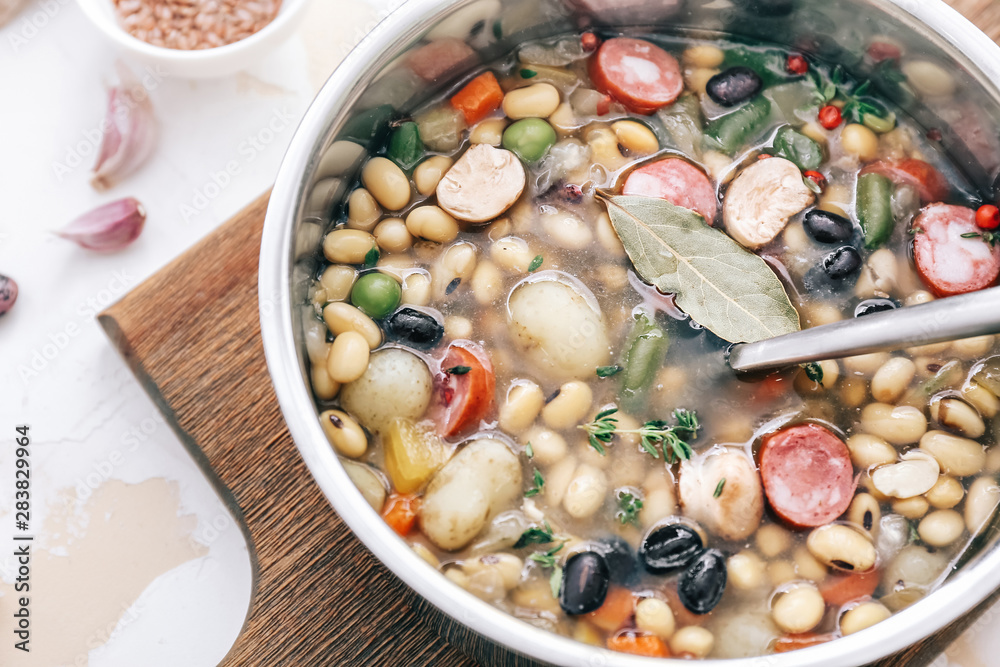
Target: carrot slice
pixel 637 643
pixel 618 607
pixel 839 589
pixel 400 512
pixel 479 98
pixel 796 642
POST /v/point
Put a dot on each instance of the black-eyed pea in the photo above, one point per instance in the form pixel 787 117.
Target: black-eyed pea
pixel 348 357
pixel 425 252
pixel 980 503
pixel 557 480
pixel 428 173
pixel 918 297
pixel 692 640
pixel 538 100
pixel 863 616
pixel 567 230
pixel 958 416
pixel 772 540
pixel 569 406
pixel 486 282
pixel 363 211
pixel 868 451
pixel 586 492
pixel 843 547
pixel 781 572
pixel 941 528
pixel 338 280
pixel 521 407
pixel 746 571
pixel 957 456
pixel 892 379
pixel 548 446
pixel 489 131
pixel 324 386
pixel 348 246
pixel 899 425
pixel 453 269
pixel 387 183
pixel 927 367
pixel 346 436
pixel 432 223
pixel 866 364
pixel 635 137
pixel 456 326
pixel 972 348
pixel 946 493
pixel 654 616
pixel 853 391
pixel 807 566
pixel 865 513
pixel 392 236
pixel 911 508
pixel 416 289
pixel 511 254
pixel 798 608
pixel 341 317
pixel 604 148
pixel 984 400
pixel 508 565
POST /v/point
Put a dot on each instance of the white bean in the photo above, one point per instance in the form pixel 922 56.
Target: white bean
pixel 865 513
pixel 959 416
pixel 521 407
pixel 941 528
pixel 548 446
pixel 608 237
pixel 911 508
pixel 981 398
pixel 489 131
pixel 892 379
pixel 653 615
pixel 538 100
pixel 348 246
pixel 557 481
pixel 344 433
pixel 487 283
pixel 567 230
pixel 946 493
pixel 432 223
pixel 512 254
pixel 693 640
pixel 416 289
pixel 387 183
pixel 863 616
pixel 569 406
pixel 341 317
pixel 338 280
pixel 363 211
pixel 348 357
pixel 772 540
pixel 585 493
pixel 798 609
pixel 745 571
pixel 393 236
pixel 900 425
pixel 957 456
pixel 428 173
pixel 868 451
pixel 984 495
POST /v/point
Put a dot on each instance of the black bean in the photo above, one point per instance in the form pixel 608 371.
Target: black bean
pixel 842 262
pixel 827 227
pixel 414 328
pixel 701 585
pixel 877 305
pixel 734 86
pixel 620 558
pixel 668 548
pixel 584 583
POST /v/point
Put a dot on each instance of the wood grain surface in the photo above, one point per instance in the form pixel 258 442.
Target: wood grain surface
pixel 320 598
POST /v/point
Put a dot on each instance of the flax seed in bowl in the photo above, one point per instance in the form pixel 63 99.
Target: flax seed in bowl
pixel 196 38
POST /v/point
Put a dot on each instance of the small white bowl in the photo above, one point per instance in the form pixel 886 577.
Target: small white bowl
pixel 204 63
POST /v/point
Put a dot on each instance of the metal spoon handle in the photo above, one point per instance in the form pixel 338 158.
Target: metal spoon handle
pixel 956 317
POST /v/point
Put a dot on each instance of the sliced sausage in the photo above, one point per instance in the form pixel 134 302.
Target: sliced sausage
pixel 807 475
pixel 928 181
pixel 637 73
pixel 677 181
pixel 437 60
pixel 947 263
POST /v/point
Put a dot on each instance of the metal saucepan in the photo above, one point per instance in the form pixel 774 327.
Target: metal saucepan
pixel 322 161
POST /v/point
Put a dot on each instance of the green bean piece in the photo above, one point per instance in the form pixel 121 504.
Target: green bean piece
pixel 369 127
pixel 874 206
pixel 405 147
pixel 682 122
pixel 647 346
pixel 797 147
pixel 727 133
pixel 770 64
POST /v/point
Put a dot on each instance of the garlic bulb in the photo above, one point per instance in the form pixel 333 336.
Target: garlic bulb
pixel 130 131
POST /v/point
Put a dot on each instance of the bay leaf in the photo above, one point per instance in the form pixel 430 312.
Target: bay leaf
pixel 723 287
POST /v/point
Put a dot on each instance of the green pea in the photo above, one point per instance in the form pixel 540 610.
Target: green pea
pixel 874 206
pixel 529 139
pixel 797 147
pixel 644 355
pixel 376 294
pixel 405 147
pixel 729 132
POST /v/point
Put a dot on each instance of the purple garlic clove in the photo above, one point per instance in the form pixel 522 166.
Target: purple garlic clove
pixel 109 227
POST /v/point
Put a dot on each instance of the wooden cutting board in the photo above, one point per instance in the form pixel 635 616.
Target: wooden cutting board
pixel 191 336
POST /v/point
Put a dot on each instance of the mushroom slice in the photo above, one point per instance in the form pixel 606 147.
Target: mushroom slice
pixel 484 183
pixel 761 200
pixel 914 475
pixel 731 509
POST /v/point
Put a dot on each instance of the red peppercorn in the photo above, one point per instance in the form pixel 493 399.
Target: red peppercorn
pixel 589 41
pixel 817 178
pixel 797 64
pixel 988 217
pixel 934 134
pixel 764 156
pixel 879 51
pixel 829 117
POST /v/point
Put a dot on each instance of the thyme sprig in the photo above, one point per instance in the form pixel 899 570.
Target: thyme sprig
pixel 654 436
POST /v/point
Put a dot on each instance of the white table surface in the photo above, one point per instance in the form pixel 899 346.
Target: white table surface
pixel 89 418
